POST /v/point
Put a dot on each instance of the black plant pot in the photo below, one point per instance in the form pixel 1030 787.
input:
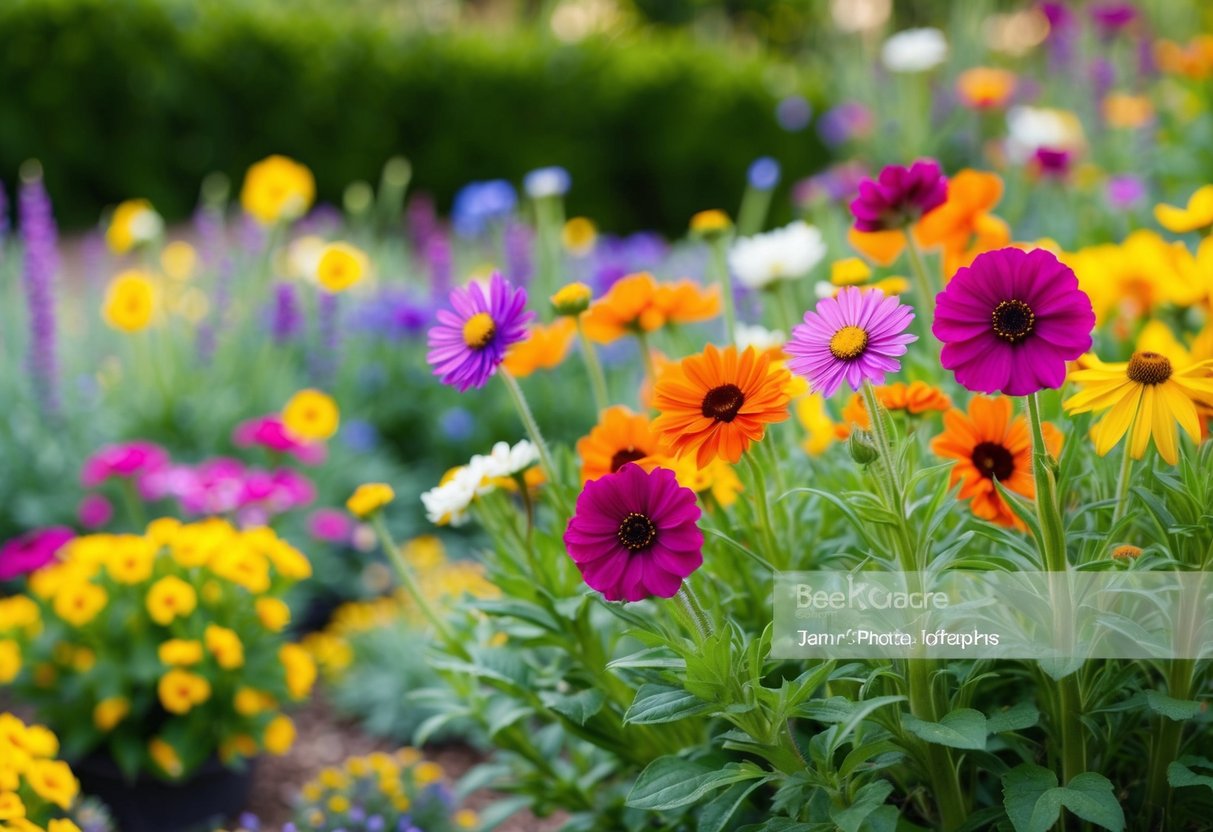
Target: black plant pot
pixel 213 793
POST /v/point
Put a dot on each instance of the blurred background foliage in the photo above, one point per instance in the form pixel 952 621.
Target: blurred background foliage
pixel 145 97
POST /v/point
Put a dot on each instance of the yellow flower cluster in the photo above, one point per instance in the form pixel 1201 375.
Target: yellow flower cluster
pixel 211 599
pixel 34 786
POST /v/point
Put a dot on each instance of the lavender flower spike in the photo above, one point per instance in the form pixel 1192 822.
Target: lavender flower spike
pixel 40 238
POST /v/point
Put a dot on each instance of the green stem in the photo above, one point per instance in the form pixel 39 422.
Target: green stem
pixel 1168 741
pixel 1052 545
pixel 759 498
pixel 532 429
pixel 1122 484
pixel 884 447
pixel 719 264
pixel 925 285
pixel 642 338
pixel 785 302
pixel 405 573
pixel 133 504
pixel 593 369
pixel 694 611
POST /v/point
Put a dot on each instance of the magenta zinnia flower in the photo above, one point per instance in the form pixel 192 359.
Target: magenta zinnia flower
pixel 633 534
pixel 468 343
pixel 899 196
pixel 32 551
pixel 124 460
pixel 1011 321
pixel 857 335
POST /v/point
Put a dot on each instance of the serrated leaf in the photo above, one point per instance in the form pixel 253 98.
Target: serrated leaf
pixel 671 782
pixel 962 728
pixel 1176 710
pixel 661 703
pixel 1034 801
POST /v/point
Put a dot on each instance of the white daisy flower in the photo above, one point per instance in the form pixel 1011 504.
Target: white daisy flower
pixel 782 254
pixel 506 461
pixel 448 503
pixel 758 337
pixel 914 50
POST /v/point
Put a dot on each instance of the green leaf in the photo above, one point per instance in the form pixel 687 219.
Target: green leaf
pixel 671 782
pixel 716 816
pixel 1015 718
pixel 1180 773
pixel 963 728
pixel 867 800
pixel 578 707
pixel 1176 710
pixel 660 703
pixel 1034 801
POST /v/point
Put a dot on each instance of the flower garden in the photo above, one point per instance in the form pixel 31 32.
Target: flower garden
pixel 413 515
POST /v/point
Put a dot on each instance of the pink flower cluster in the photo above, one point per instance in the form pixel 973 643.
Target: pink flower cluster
pixel 270 433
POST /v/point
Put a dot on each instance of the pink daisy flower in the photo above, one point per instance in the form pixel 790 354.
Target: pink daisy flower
pixel 858 335
pixel 470 341
pixel 1011 321
pixel 634 534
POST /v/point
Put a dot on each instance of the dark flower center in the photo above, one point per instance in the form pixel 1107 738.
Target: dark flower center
pixel 723 403
pixel 622 458
pixel 1013 321
pixel 636 531
pixel 1149 368
pixel 993 461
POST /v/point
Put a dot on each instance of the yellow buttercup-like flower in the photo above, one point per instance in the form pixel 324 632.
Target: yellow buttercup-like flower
pixel 277 188
pixel 53 781
pixel 180 652
pixel 130 301
pixel 225 646
pixel 19 613
pixel 62 825
pixel 133 222
pixel 179 259
pixel 273 613
pixel 311 415
pixel 369 498
pixel 579 235
pixel 170 598
pixel 180 691
pixel 11 806
pixel 162 530
pixel 109 712
pixel 1195 216
pixel 131 559
pixel 250 702
pixel 78 604
pixel 10 660
pixel 300 670
pixel 341 266
pixel 279 735
pixel 165 756
pixel 244 566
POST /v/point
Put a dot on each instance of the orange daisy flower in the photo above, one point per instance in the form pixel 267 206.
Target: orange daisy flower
pixel 716 403
pixel 963 227
pixel 914 398
pixel 638 303
pixel 544 348
pixel 988 445
pixel 620 437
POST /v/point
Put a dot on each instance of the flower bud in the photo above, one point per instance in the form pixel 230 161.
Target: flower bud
pixel 862 450
pixel 572 299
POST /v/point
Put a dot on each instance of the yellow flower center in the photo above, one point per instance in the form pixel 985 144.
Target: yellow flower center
pixel 848 342
pixel 478 330
pixel 1149 368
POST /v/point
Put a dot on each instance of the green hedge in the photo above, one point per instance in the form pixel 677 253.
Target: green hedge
pixel 144 97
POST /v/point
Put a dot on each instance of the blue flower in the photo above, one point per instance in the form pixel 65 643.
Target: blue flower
pixel 764 173
pixel 479 205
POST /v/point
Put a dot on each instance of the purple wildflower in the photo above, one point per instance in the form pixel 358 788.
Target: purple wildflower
pixel 40 237
pixel 285 318
pixel 470 340
pixel 438 257
pixel 899 196
pixel 518 242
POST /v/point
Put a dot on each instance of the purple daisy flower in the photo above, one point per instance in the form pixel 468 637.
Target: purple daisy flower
pixel 899 196
pixel 856 336
pixel 1011 321
pixel 634 534
pixel 469 342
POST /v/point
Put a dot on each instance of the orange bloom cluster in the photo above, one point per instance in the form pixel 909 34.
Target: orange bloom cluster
pixel 544 348
pixel 989 445
pixel 638 303
pixel 914 398
pixel 1192 60
pixel 985 88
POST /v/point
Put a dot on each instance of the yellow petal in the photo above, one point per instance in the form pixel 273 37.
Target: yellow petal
pixel 1098 396
pixel 1182 408
pixel 1113 426
pixel 1163 426
pixel 1141 426
pixel 1158 337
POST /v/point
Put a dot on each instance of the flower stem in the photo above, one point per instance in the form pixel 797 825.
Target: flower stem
pixel 925 285
pixel 642 338
pixel 1122 484
pixel 719 267
pixel 884 447
pixel 593 369
pixel 764 512
pixel 1052 546
pixel 407 579
pixel 694 610
pixel 532 429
